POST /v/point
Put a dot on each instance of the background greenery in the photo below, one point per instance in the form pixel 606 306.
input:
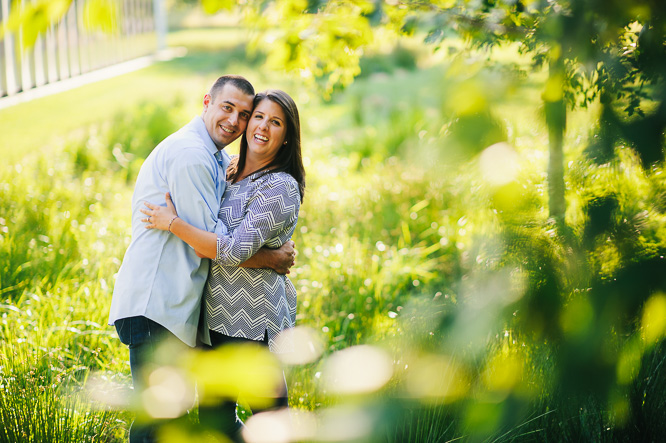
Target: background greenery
pixel 425 235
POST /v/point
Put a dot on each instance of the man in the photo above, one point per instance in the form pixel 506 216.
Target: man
pixel 157 295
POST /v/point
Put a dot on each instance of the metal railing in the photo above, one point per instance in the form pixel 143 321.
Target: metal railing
pixel 67 49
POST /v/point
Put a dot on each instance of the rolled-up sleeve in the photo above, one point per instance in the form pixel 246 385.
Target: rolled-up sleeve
pixel 272 210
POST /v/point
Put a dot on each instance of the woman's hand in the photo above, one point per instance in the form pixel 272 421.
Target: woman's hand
pixel 159 217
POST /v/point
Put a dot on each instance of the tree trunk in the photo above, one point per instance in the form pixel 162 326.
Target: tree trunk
pixel 556 122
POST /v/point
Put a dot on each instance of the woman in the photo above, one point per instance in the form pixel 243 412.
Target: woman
pixel 265 188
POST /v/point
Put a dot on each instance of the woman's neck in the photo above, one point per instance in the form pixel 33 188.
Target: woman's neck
pixel 251 167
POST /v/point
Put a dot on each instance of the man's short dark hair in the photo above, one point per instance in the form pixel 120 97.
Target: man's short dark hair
pixel 236 80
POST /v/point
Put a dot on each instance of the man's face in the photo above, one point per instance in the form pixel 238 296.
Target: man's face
pixel 226 115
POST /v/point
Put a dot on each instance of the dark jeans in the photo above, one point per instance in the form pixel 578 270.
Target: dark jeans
pixel 144 337
pixel 222 417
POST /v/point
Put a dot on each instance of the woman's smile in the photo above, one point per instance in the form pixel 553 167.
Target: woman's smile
pixel 266 131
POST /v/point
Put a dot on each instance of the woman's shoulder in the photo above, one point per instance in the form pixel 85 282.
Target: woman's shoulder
pixel 280 181
pixel 279 178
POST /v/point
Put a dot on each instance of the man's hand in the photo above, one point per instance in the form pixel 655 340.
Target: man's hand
pixel 285 257
pixel 279 260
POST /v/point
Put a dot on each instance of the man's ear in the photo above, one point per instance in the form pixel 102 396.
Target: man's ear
pixel 206 101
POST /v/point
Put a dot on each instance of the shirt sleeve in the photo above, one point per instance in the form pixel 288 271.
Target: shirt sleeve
pixel 272 210
pixel 193 191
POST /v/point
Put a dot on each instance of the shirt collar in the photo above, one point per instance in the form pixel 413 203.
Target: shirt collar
pixel 200 127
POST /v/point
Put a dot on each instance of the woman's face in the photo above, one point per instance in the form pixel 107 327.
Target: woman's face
pixel 266 131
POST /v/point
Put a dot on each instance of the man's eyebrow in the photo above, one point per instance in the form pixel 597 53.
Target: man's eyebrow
pixel 234 105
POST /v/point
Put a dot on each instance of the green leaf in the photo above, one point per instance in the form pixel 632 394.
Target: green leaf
pixel 31 19
pixel 435 36
pixel 213 6
pixel 101 15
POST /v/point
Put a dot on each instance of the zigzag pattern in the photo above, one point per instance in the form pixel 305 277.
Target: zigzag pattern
pixel 261 210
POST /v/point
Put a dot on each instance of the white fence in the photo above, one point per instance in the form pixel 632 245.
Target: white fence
pixel 67 49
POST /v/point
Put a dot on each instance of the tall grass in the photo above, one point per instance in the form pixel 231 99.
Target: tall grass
pixel 59 249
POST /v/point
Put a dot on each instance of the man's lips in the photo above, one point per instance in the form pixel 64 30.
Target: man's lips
pixel 227 130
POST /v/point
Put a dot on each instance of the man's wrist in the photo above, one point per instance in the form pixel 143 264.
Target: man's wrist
pixel 268 258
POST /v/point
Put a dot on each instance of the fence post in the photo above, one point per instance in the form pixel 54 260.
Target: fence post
pixel 3 59
pixel 159 12
pixel 50 37
pixel 10 68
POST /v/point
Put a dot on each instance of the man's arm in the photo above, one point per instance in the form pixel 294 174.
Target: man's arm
pixel 279 260
pixel 192 188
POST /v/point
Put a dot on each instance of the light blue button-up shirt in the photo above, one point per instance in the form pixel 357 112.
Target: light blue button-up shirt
pixel 161 277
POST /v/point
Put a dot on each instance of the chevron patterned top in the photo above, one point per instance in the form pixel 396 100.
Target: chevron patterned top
pixel 260 210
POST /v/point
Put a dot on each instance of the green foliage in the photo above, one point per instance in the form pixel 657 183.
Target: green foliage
pixel 40 236
pixel 322 45
pixel 33 18
pixel 614 51
pixel 57 259
pixel 399 57
pixel 29 19
pixel 122 144
pixel 101 15
pixel 51 344
pixel 495 325
pixel 62 236
pixel 567 303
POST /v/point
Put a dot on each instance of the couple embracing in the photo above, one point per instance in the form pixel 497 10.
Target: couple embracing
pixel 240 213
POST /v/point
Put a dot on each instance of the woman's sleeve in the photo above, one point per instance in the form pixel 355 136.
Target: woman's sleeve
pixel 272 209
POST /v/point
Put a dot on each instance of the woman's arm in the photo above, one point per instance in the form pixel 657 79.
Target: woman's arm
pixel 272 213
pixel 166 219
pixel 205 243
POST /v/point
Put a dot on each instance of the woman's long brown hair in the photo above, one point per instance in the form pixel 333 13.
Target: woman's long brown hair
pixel 288 158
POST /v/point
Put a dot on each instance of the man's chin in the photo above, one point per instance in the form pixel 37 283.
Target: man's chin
pixel 225 140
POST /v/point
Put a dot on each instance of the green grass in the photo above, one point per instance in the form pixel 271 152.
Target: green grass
pixel 403 245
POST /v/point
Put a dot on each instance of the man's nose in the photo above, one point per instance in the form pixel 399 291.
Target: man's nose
pixel 233 119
